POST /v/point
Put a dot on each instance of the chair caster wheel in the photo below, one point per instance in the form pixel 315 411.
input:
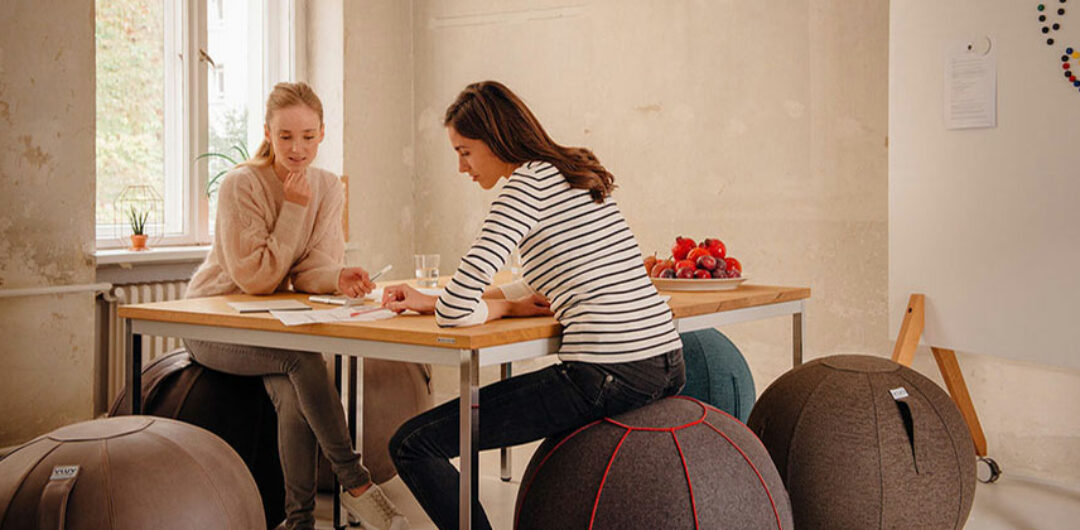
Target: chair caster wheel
pixel 989 472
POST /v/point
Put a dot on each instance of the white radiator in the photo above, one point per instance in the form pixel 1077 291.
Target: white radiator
pixel 152 347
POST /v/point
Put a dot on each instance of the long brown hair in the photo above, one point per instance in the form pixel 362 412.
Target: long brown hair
pixel 490 112
pixel 284 95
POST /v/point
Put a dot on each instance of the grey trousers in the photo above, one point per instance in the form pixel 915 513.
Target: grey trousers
pixel 309 413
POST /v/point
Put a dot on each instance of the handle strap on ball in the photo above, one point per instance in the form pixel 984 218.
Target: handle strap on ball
pixel 52 510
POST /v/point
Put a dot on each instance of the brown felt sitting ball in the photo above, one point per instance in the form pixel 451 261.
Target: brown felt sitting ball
pixel 863 442
pixel 131 472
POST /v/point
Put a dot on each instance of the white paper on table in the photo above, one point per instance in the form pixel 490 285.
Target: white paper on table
pixel 338 314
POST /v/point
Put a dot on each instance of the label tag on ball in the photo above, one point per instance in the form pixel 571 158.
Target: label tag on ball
pixel 64 472
pixel 899 393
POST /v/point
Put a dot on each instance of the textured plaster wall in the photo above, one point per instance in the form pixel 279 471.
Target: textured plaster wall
pixel 759 125
pixel 378 136
pixel 46 214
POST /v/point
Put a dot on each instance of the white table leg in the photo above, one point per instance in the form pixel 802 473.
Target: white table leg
pixel 504 453
pixel 469 439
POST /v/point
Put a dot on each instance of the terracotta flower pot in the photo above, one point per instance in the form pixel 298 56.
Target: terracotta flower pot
pixel 138 242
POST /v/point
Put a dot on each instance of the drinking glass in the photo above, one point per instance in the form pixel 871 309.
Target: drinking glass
pixel 427 269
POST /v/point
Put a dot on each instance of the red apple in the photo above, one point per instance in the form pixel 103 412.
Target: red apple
pixel 732 264
pixel 685 272
pixel 684 263
pixel 696 253
pixel 667 273
pixel 702 274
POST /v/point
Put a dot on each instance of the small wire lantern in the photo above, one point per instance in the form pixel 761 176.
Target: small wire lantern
pixel 139 211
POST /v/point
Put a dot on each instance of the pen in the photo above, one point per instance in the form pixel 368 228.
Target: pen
pixel 364 311
pixel 382 271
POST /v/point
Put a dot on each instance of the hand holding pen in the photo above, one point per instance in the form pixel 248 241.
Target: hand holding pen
pixel 354 282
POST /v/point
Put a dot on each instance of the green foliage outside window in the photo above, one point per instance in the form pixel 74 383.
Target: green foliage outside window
pixel 129 37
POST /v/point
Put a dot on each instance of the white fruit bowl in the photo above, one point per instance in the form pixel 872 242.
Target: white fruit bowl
pixel 697 284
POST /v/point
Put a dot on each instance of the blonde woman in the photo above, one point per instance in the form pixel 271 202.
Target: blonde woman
pixel 279 224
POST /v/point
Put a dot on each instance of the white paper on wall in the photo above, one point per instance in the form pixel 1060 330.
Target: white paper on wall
pixel 970 86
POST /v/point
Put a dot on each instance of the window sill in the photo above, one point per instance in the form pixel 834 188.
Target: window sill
pixel 121 266
pixel 121 257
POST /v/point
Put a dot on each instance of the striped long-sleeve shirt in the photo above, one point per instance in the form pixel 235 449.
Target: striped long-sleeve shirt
pixel 578 254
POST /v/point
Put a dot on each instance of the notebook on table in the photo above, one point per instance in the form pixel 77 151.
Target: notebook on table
pixel 264 306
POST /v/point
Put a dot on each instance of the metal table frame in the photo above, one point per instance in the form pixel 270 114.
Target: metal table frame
pixel 468 361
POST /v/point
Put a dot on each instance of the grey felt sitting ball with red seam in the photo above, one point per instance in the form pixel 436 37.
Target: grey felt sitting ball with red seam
pixel 676 463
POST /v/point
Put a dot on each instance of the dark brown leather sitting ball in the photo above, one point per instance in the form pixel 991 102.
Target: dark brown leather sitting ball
pixel 133 472
pixel 233 407
pixel 854 456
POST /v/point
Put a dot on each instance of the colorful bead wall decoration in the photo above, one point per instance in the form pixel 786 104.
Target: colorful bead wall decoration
pixel 1049 25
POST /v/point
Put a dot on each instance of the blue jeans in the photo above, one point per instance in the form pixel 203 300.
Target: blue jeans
pixel 522 409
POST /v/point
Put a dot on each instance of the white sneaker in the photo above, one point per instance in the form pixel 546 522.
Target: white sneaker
pixel 374 510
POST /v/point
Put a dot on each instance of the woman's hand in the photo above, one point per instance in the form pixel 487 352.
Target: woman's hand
pixel 398 298
pixel 354 282
pixel 297 189
pixel 529 306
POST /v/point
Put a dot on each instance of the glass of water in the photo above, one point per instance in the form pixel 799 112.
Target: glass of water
pixel 427 269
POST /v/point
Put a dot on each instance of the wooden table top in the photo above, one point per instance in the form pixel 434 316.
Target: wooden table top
pixel 422 330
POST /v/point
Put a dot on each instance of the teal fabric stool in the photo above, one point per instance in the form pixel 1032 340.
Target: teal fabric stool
pixel 716 373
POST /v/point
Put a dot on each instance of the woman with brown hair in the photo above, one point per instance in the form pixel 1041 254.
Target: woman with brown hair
pixel 279 224
pixel 580 263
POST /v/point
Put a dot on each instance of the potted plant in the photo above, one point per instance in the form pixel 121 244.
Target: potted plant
pixel 137 219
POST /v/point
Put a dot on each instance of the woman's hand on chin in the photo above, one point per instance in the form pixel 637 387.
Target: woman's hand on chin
pixel 401 297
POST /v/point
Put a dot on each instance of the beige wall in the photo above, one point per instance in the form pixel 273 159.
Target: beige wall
pixel 378 137
pixel 47 219
pixel 322 66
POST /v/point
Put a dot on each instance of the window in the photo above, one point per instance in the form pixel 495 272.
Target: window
pixel 164 96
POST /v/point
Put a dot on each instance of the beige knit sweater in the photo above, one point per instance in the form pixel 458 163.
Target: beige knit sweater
pixel 263 242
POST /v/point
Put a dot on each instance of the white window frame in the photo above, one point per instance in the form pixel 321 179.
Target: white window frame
pixel 186 104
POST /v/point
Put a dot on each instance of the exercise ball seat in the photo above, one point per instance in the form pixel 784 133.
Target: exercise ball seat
pixel 131 472
pixel 863 442
pixel 674 464
pixel 234 408
pixel 717 373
